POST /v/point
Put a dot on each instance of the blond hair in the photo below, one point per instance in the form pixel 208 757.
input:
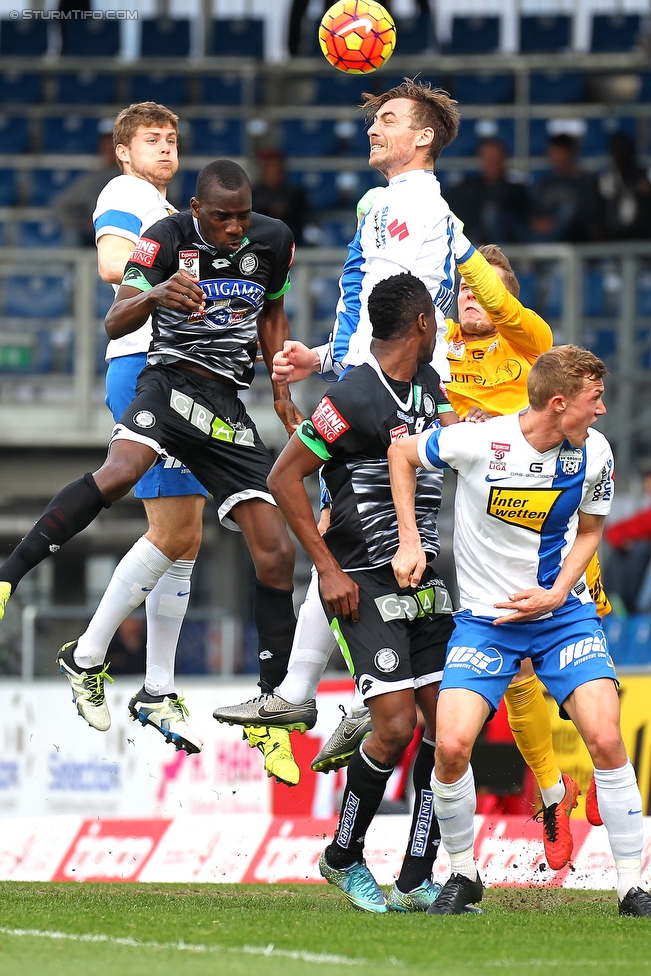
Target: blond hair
pixel 498 259
pixel 562 370
pixel 432 107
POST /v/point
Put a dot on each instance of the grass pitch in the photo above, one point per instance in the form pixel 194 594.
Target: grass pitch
pixel 273 930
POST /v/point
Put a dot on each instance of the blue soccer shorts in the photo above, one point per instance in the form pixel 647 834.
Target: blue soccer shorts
pixel 168 478
pixel 567 650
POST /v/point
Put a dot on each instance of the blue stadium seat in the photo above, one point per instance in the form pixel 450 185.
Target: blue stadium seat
pixel 595 141
pixel 616 629
pixel 23 38
pixel 70 134
pixel 474 35
pixel 471 131
pixel 615 32
pixel 338 233
pixel 337 88
pixel 39 233
pixel 325 295
pixel 594 294
pixel 309 137
pixel 240 37
pixel 644 293
pixel 528 281
pixel 555 87
pixel 320 187
pixel 165 38
pixel 14 134
pixel 161 88
pixel 86 88
pixel 552 297
pixel 46 183
pixel 36 296
pixel 29 352
pixel 545 34
pixel 8 187
pixel 104 296
pixel 484 89
pixel 91 38
pixel 217 136
pixel 645 87
pixel 221 90
pixel 638 643
pixel 187 185
pixel 414 34
pixel 602 342
pixel 16 86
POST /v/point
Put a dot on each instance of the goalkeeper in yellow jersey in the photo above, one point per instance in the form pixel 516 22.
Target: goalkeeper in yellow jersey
pixel 491 350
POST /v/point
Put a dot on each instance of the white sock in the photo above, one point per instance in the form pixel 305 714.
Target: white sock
pixel 554 794
pixel 313 644
pixel 357 708
pixel 166 606
pixel 455 805
pixel 620 806
pixel 134 578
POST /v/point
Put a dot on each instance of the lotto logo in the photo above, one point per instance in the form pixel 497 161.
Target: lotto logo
pixel 489 661
pixel 328 422
pixel 145 251
pixel 576 653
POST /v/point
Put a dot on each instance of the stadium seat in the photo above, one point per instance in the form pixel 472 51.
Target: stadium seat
pixel 595 141
pixel 474 35
pixel 555 87
pixel 602 342
pixel 25 352
pixel 86 88
pixel 615 32
pixel 46 183
pixel 187 184
pixel 320 187
pixel 8 187
pixel 217 136
pixel 14 134
pixel 545 34
pixel 552 296
pixel 337 88
pixel 91 38
pixel 23 38
pixel 325 295
pixel 638 641
pixel 70 134
pixel 471 131
pixel 240 37
pixel 165 37
pixel 221 90
pixel 528 281
pixel 338 233
pixel 644 293
pixel 161 88
pixel 594 294
pixel 414 34
pixel 309 137
pixel 39 233
pixel 104 296
pixel 36 296
pixel 484 89
pixel 645 87
pixel 17 86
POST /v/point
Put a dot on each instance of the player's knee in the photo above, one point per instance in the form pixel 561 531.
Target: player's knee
pixel 393 735
pixel 606 746
pixel 176 543
pixel 117 476
pixel 274 565
pixel 453 748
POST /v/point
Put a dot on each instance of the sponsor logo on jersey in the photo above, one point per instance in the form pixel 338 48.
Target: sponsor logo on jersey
pixel 602 491
pixel 489 661
pixel 144 418
pixel 220 263
pixel 408 419
pixel 430 599
pixel 209 423
pixel 145 251
pixel 499 450
pixel 229 300
pixel 423 824
pixel 329 423
pixel 397 432
pixel 400 231
pixel 571 460
pixel 509 369
pixel 585 650
pixel 248 264
pixel 189 262
pixel 457 349
pixel 380 225
pixel 386 660
pixel 528 508
pixel 347 821
pixel 496 466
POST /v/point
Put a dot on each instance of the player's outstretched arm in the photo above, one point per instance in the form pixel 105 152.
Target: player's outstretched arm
pixel 113 252
pixel 294 362
pixel 273 333
pixel 409 561
pixel 133 306
pixel 286 484
pixel 530 604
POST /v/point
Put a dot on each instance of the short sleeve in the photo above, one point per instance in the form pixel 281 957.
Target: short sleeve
pixel 452 446
pixel 279 281
pixel 600 486
pixel 118 210
pixel 152 259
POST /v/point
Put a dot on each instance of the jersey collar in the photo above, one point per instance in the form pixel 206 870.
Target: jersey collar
pixel 408 403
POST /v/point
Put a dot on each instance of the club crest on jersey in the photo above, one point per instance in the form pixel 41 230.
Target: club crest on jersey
pixel 429 406
pixel 571 461
pixel 386 660
pixel 145 252
pixel 329 423
pixel 248 264
pixel 397 432
pixel 457 349
pixel 527 508
pixel 144 418
pixel 499 450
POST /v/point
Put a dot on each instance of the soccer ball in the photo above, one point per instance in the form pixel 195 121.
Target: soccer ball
pixel 357 35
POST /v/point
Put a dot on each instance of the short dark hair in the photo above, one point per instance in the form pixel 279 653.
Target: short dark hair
pixel 431 107
pixel 395 303
pixel 563 140
pixel 224 173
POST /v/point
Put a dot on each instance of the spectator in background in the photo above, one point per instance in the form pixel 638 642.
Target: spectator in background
pixel 566 203
pixel 126 650
pixel 627 573
pixel 493 208
pixel 626 193
pixel 275 197
pixel 73 207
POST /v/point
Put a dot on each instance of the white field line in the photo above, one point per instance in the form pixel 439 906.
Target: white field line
pixel 584 963
pixel 314 957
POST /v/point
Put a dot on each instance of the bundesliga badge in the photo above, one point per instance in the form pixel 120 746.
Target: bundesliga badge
pixel 189 262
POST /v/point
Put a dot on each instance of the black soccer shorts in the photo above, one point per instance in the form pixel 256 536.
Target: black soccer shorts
pixel 204 424
pixel 401 637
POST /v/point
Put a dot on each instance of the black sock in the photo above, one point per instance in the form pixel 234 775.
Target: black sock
pixel 68 513
pixel 424 834
pixel 276 622
pixel 365 784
